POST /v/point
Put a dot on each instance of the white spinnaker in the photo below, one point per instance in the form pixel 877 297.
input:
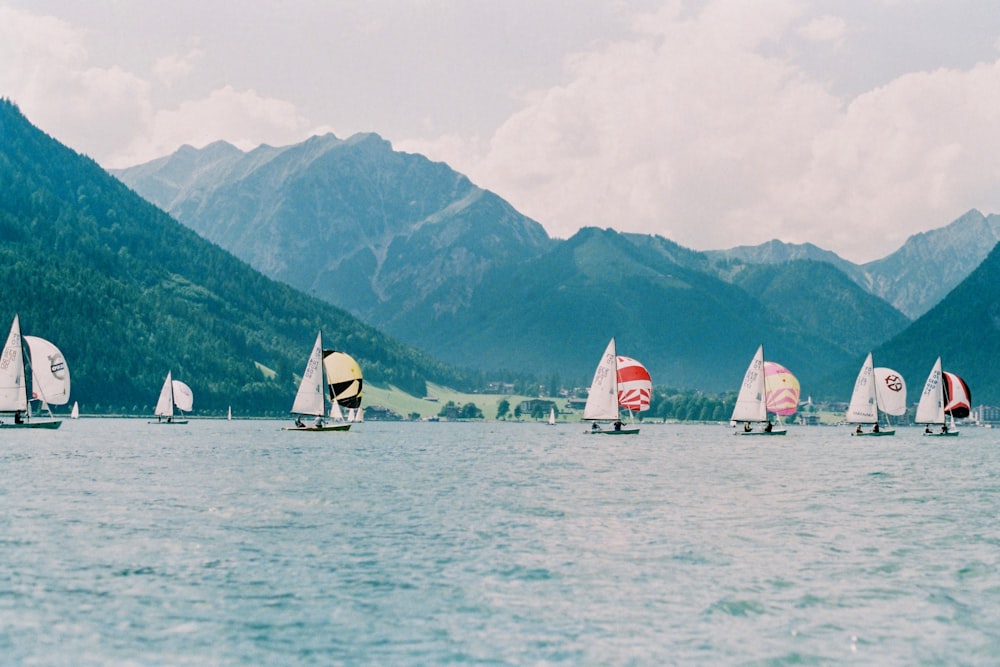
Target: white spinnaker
pixel 183 396
pixel 891 391
pixel 49 372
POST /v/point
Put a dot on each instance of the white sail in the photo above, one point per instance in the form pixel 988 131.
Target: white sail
pixel 890 390
pixel 75 412
pixel 183 396
pixel 229 414
pixel 552 416
pixel 750 403
pixel 930 409
pixel 602 400
pixel 337 415
pixel 13 388
pixel 165 403
pixel 309 399
pixel 863 408
pixel 49 372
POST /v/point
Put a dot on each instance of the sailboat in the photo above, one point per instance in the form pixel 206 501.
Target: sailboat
pixel 945 395
pixel 552 416
pixel 343 381
pixel 173 393
pixel 75 412
pixel 767 387
pixel 49 379
pixel 876 389
pixel 229 414
pixel 606 392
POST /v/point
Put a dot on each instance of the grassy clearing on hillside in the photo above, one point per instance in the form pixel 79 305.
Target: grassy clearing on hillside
pixel 405 404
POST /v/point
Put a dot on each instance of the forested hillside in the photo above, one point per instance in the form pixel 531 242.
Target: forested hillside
pixel 963 329
pixel 128 293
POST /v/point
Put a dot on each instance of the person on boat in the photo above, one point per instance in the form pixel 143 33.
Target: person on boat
pixel 18 419
pixel 944 428
pixel 747 428
pixel 767 429
pixel 875 428
pixel 298 422
pixel 857 431
pixel 319 422
pixel 170 420
pixel 927 429
pixel 618 425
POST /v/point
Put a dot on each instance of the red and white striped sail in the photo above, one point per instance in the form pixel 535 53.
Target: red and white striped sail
pixel 634 385
pixel 957 397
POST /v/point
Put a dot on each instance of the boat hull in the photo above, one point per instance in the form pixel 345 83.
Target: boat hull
pixel 949 434
pixel 175 422
pixel 336 427
pixel 624 431
pixel 48 425
pixel 773 432
pixel 871 433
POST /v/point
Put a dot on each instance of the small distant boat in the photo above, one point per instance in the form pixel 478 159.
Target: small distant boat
pixel 75 412
pixel 945 395
pixel 552 416
pixel 229 414
pixel 49 379
pixel 876 389
pixel 173 393
pixel 618 382
pixel 343 381
pixel 767 387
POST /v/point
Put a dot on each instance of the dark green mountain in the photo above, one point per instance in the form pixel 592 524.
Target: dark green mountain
pixel 128 293
pixel 555 313
pixel 963 329
pixel 352 222
pixel 931 264
pixel 415 249
pixel 913 278
pixel 822 299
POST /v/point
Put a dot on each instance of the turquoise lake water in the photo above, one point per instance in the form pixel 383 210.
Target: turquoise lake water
pixel 234 543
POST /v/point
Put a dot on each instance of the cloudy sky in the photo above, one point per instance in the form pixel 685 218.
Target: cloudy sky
pixel 851 124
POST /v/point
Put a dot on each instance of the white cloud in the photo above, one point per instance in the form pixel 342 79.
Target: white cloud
pixel 829 29
pixel 109 113
pixel 713 122
pixel 44 69
pixel 172 68
pixel 691 131
pixel 243 118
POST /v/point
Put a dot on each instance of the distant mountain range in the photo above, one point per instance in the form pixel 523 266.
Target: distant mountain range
pixel 352 222
pixel 415 249
pixel 128 293
pixel 915 277
pixel 963 329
